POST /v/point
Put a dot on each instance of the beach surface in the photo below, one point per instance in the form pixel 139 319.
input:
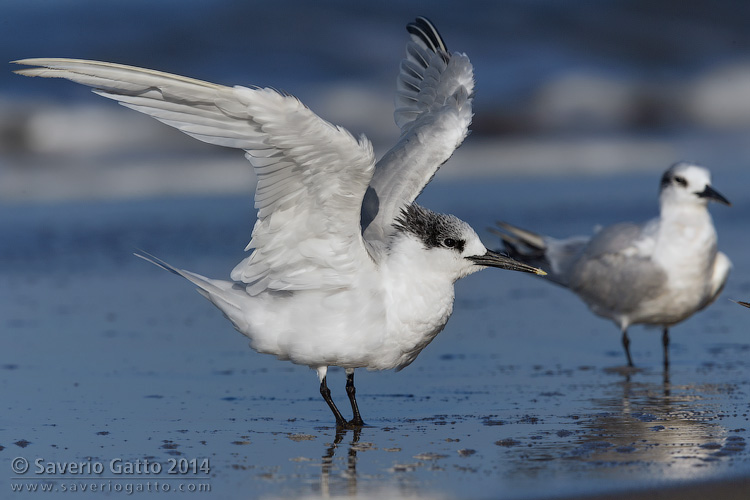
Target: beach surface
pixel 524 395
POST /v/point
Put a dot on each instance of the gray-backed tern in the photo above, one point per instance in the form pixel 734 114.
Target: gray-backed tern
pixel 656 273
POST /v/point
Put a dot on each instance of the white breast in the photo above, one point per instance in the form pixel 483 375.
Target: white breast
pixel 686 250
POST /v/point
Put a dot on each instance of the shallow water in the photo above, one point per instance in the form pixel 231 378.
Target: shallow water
pixel 105 357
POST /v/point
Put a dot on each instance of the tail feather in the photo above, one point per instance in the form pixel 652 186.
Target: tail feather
pixel 221 293
pixel 523 245
pixel 532 240
pixel 555 257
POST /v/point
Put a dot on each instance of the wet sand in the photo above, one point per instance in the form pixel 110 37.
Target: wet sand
pixel 733 489
pixel 523 396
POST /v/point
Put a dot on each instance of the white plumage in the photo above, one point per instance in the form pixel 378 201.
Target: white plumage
pixel 656 273
pixel 345 270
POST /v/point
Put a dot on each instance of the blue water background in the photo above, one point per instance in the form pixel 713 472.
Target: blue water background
pixel 104 356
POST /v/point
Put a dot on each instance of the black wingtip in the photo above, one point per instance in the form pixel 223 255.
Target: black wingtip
pixel 423 29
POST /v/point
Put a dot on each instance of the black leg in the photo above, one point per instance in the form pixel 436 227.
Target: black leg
pixel 665 343
pixel 626 345
pixel 351 392
pixel 326 393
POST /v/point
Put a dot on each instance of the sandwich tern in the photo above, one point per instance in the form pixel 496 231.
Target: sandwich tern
pixel 346 270
pixel 656 273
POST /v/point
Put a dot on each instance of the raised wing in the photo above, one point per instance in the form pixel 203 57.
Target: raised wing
pixel 433 109
pixel 312 175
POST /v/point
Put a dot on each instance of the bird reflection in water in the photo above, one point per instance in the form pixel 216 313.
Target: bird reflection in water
pixel 675 426
pixel 351 463
pixel 657 427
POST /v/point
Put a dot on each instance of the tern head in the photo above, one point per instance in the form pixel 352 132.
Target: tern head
pixel 688 184
pixel 451 245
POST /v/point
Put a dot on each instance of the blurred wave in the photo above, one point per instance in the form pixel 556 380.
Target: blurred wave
pixel 562 88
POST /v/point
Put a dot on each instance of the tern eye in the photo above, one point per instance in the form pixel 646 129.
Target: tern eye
pixel 680 180
pixel 449 242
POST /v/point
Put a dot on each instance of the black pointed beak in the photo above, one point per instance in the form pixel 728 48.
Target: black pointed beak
pixel 494 259
pixel 713 194
pixel 746 304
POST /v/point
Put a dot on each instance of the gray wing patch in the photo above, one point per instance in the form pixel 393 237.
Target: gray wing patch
pixel 609 277
pixel 560 257
pixel 613 239
pixel 370 208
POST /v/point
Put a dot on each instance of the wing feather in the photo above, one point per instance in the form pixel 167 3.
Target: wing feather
pixel 312 175
pixel 615 270
pixel 433 110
